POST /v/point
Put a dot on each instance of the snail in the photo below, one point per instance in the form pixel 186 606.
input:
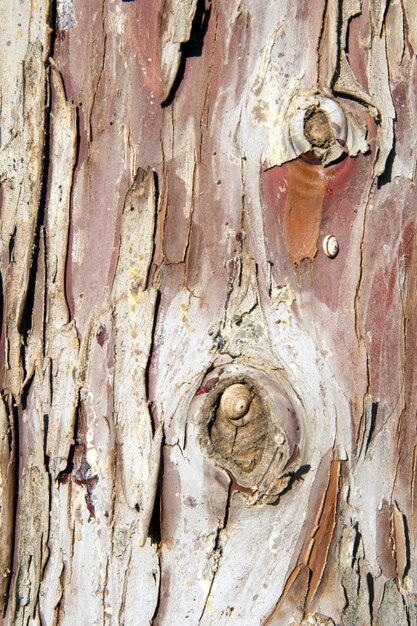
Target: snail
pixel 240 428
pixel 239 404
pixel 330 246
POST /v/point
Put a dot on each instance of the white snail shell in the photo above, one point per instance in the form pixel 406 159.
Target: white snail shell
pixel 235 401
pixel 330 246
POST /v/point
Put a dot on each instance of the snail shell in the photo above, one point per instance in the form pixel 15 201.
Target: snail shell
pixel 330 246
pixel 239 404
pixel 240 428
pixel 235 401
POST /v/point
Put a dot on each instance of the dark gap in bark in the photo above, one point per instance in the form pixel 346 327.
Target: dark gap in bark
pixel 295 477
pixel 154 621
pixel 193 47
pixel 407 547
pixel 154 531
pixel 345 606
pixel 11 244
pixel 151 349
pixel 217 548
pixel 340 44
pixel 78 140
pixel 13 414
pixel 151 274
pixel 386 176
pixel 26 388
pixel 356 544
pixel 25 325
pixel 53 23
pixel 371 594
pixel 48 529
pixel 45 440
pixel 63 476
pixel 374 410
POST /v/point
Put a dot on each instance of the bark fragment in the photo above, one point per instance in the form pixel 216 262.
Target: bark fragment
pixel 134 309
pixel 411 15
pixel 358 604
pixel 392 609
pixel 379 87
pixel 62 345
pixel 21 218
pixel 400 543
pixel 176 22
pixel 343 80
pixel 7 486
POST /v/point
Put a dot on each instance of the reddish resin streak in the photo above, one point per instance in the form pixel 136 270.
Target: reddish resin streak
pixel 303 209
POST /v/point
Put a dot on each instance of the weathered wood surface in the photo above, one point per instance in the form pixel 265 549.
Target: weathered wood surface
pixel 161 238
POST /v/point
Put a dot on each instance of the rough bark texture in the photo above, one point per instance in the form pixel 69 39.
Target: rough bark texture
pixel 206 416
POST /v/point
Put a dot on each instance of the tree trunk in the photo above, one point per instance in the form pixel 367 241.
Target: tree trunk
pixel 209 262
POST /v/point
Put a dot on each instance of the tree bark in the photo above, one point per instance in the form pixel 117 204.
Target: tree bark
pixel 208 273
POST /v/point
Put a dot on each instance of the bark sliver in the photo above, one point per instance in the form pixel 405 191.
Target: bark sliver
pixel 134 309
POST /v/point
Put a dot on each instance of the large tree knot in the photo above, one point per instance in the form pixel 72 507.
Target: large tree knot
pixel 249 426
pixel 318 129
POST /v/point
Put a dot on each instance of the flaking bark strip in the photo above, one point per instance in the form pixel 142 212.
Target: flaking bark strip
pixel 379 87
pixel 321 538
pixel 7 487
pixel 62 344
pixel 400 542
pixel 366 427
pixel 32 551
pixel 392 609
pixel 344 81
pixel 149 488
pixel 134 309
pixel 25 212
pixel 35 343
pixel 314 558
pixel 175 27
pixel 358 603
pixel 410 9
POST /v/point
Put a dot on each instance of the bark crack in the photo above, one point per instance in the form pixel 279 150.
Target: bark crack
pixel 216 553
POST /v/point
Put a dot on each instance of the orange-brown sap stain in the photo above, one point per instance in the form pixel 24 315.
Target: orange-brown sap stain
pixel 303 209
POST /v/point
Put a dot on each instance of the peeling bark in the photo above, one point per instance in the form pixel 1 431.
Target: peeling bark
pixel 207 416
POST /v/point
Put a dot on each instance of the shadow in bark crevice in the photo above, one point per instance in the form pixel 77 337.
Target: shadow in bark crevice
pixel 386 176
pixel 193 47
pixel 65 473
pixel 295 477
pixel 154 531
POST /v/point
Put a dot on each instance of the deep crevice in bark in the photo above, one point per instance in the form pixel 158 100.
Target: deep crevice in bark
pixel 193 47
